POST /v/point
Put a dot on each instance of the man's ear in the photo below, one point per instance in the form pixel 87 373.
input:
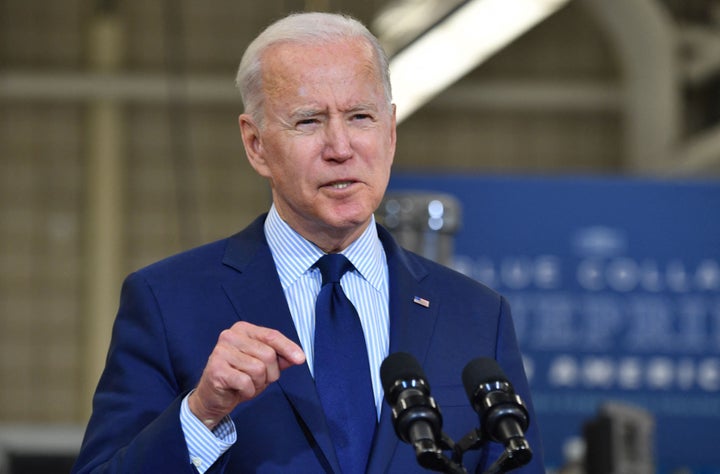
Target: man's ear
pixel 253 144
pixel 393 130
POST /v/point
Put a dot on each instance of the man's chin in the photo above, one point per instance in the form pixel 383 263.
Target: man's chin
pixel 349 221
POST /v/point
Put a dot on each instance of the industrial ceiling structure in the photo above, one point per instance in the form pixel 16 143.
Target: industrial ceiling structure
pixel 667 55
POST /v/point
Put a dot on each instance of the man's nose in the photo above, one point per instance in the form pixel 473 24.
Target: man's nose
pixel 337 141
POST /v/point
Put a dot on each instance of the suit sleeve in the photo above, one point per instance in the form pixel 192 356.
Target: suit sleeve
pixel 135 425
pixel 510 360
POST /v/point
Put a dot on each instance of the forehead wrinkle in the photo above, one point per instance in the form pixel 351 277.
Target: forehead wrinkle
pixel 279 85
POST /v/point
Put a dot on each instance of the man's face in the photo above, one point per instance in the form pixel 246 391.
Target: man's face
pixel 327 139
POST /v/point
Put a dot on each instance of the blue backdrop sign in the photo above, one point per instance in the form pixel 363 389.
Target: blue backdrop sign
pixel 615 291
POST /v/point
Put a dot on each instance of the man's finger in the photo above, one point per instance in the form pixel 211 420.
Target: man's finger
pixel 288 352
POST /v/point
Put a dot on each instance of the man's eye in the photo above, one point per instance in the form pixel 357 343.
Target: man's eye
pixel 308 121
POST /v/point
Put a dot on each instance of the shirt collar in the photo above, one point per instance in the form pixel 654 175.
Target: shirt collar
pixel 294 255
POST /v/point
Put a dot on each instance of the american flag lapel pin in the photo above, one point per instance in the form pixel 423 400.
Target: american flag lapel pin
pixel 421 301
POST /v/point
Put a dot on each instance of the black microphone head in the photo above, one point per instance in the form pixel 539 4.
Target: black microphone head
pixel 416 416
pixel 396 367
pixel 479 372
pixel 503 414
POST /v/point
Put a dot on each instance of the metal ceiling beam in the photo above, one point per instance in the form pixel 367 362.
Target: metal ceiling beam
pixel 642 34
pixel 148 88
pixel 532 95
pixel 159 89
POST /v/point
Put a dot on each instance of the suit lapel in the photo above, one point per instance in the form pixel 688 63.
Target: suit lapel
pixel 411 328
pixel 257 295
pixel 258 298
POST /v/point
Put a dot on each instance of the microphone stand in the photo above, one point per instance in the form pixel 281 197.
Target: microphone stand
pixel 517 452
pixel 432 457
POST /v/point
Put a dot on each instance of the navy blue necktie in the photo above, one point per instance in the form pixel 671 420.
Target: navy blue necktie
pixel 342 371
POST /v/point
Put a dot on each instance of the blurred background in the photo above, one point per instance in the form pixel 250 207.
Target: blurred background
pixel 119 145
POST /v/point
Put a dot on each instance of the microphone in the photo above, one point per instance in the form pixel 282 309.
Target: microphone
pixel 416 416
pixel 503 415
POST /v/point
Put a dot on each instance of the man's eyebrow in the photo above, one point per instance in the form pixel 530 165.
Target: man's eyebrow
pixel 305 113
pixel 363 107
pixel 360 109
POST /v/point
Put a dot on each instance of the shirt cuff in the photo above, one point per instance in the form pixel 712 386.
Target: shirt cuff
pixel 205 446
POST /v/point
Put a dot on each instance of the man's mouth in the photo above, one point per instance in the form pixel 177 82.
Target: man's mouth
pixel 340 184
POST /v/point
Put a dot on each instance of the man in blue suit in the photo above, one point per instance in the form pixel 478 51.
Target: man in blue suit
pixel 211 367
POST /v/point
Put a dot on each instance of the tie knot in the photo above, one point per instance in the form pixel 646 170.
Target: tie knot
pixel 332 267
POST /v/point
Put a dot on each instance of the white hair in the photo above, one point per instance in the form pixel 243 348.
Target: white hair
pixel 302 28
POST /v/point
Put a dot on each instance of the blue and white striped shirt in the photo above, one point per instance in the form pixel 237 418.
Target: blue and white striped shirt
pixel 367 288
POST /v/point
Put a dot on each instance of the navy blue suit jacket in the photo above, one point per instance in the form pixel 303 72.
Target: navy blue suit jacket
pixel 168 322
